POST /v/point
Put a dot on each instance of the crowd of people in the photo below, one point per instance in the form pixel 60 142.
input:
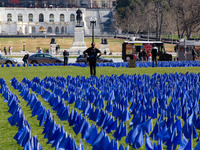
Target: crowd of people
pixel 144 56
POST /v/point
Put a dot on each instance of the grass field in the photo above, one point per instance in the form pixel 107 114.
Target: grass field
pixel 115 44
pixel 7 132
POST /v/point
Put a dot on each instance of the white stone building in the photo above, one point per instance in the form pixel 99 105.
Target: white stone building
pixel 30 21
pixel 37 20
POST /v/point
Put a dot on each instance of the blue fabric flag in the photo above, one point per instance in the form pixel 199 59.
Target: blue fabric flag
pixel 132 135
pixel 90 138
pixel 103 143
pixel 147 126
pixel 189 145
pixel 139 141
pixel 85 130
pixel 80 147
pixel 65 114
pixel 121 147
pixel 79 127
pixel 98 138
pixel 197 146
pixel 183 143
pixel 148 143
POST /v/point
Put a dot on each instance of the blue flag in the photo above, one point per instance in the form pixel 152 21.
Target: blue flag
pixel 139 141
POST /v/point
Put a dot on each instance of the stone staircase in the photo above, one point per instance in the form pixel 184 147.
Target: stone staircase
pixel 92 13
pixel 103 21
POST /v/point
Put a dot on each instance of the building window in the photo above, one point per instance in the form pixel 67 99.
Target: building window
pixel 49 30
pixel 51 18
pixel 62 30
pixel 62 18
pixel 72 17
pixel 41 18
pixel 26 30
pixel 57 30
pixel 65 30
pixel 113 3
pixel 30 17
pixel 33 30
pixel 9 17
pixel 95 4
pixel 104 5
pixel 20 17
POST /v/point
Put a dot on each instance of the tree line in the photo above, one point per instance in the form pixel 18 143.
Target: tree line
pixel 175 17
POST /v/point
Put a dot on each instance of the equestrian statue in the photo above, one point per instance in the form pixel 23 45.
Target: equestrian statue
pixel 78 17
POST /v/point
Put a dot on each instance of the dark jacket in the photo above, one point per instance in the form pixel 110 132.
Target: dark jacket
pixel 25 57
pixel 65 54
pixel 92 53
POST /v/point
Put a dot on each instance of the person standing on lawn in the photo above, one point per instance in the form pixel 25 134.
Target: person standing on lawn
pixel 66 55
pixel 91 55
pixel 154 53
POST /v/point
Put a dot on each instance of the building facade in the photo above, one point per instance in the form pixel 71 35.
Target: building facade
pixel 58 3
pixel 50 21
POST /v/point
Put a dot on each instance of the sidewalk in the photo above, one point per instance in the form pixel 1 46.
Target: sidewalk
pixel 22 53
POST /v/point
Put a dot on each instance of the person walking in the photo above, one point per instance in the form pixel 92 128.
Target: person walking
pixel 66 55
pixel 154 53
pixel 91 56
pixel 25 60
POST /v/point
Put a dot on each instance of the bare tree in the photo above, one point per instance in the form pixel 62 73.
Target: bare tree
pixel 133 22
pixel 188 16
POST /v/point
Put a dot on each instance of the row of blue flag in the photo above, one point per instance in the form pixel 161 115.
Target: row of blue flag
pixel 148 98
pixel 119 64
pixel 81 125
pixel 23 136
pixel 53 132
pixel 185 98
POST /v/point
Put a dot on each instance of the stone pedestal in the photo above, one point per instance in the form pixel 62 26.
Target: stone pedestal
pixel 78 45
pixel 105 47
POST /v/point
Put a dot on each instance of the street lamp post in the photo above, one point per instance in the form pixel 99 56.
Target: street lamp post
pixel 23 46
pixel 92 23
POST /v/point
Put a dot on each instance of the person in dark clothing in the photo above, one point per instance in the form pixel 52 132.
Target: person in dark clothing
pixel 194 54
pixel 5 50
pixel 66 55
pixel 140 56
pixel 154 53
pixel 25 60
pixel 91 56
pixel 144 55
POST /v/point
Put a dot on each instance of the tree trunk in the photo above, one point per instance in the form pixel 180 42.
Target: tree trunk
pixel 157 21
pixel 161 23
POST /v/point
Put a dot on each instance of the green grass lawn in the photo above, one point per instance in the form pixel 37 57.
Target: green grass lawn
pixel 7 132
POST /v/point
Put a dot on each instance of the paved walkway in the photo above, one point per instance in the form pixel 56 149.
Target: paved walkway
pixel 22 53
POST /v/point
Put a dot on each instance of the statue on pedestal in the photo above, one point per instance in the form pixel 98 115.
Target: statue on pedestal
pixel 53 41
pixel 78 17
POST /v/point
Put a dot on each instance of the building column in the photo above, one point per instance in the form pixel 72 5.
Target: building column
pixel 30 30
pixel 91 4
pixel 23 29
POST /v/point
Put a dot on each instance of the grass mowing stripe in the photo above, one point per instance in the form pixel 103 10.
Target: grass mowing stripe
pixel 7 132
